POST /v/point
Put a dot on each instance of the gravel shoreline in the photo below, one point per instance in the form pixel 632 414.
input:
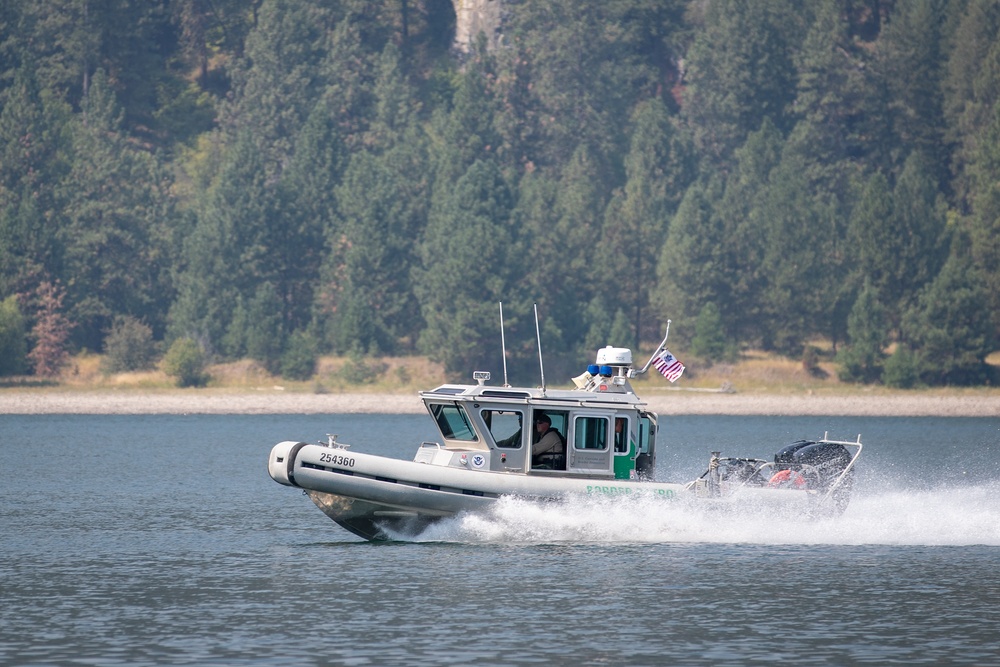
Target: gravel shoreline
pixel 679 403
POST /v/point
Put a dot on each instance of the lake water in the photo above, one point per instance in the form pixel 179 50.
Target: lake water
pixel 160 540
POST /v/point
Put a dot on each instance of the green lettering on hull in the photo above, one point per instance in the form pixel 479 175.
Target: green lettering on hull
pixel 623 491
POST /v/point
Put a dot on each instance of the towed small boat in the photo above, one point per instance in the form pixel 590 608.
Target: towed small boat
pixel 597 439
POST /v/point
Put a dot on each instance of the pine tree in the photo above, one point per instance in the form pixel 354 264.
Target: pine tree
pixel 743 237
pixel 870 237
pixel 227 255
pixel 380 215
pixel 830 136
pixel 265 334
pixel 34 161
pixel 276 85
pixel 298 362
pixel 799 265
pixel 13 338
pixel 636 224
pixel 972 88
pixel 918 240
pixel 690 270
pixel 467 267
pixel 709 341
pixel 381 208
pixel 740 71
pixel 910 66
pixel 950 327
pixel 50 332
pixel 560 218
pixel 984 222
pixel 116 215
pixel 307 208
pixel 867 329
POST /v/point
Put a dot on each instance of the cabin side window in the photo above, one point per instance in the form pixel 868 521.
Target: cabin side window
pixel 453 422
pixel 621 435
pixel 505 426
pixel 591 433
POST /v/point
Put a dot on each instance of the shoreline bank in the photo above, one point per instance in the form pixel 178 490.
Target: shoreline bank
pixel 250 402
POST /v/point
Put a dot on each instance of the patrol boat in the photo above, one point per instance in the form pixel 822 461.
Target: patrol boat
pixel 607 447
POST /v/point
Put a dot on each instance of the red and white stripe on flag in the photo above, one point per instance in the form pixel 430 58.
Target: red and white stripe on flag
pixel 669 366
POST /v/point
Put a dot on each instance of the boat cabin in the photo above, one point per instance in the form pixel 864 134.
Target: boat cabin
pixel 599 429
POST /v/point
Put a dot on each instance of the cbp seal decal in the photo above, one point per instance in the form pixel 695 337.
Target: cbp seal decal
pixel 478 461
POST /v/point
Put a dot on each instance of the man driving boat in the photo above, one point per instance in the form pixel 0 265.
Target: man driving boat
pixel 547 440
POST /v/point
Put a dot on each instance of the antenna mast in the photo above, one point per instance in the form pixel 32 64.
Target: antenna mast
pixel 503 347
pixel 538 337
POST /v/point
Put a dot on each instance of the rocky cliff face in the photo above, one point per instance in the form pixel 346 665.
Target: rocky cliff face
pixel 477 16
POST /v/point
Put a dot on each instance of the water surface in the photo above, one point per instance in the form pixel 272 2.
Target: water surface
pixel 160 540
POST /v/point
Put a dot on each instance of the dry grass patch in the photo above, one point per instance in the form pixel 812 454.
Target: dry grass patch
pixel 385 374
pixel 756 372
pixel 245 373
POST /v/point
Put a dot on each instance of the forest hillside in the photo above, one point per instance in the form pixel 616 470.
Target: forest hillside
pixel 205 181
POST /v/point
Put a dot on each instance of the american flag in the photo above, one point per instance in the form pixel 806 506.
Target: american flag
pixel 668 365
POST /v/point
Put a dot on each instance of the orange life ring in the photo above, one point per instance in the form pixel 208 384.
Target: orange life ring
pixel 787 479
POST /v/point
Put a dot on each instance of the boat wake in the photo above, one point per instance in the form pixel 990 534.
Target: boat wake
pixel 955 516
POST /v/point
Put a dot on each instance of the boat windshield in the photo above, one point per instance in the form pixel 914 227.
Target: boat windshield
pixel 453 422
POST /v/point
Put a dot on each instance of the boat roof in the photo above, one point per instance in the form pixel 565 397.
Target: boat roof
pixel 575 397
pixel 602 386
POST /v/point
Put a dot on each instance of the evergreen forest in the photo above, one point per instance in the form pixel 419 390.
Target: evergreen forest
pixel 281 179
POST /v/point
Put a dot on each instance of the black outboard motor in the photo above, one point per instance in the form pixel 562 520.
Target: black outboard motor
pixel 821 464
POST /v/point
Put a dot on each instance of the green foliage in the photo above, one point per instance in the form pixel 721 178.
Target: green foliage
pixel 185 361
pixel 234 341
pixel 621 333
pixel 381 210
pixel 950 326
pixel 359 370
pixel 739 284
pixel 35 127
pixel 13 338
pixel 236 173
pixel 984 223
pixel 691 270
pixel 741 72
pixel 902 369
pixel 972 88
pixel 468 263
pixel 871 239
pixel 799 268
pixel 910 66
pixel 113 247
pixel 227 257
pixel 867 330
pixel 830 97
pixel 264 335
pixel 709 341
pixel 298 361
pixel 637 216
pixel 129 346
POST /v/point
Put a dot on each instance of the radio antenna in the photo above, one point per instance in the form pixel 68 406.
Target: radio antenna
pixel 538 337
pixel 503 347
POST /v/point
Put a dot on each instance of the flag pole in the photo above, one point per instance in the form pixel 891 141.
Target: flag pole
pixel 659 349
